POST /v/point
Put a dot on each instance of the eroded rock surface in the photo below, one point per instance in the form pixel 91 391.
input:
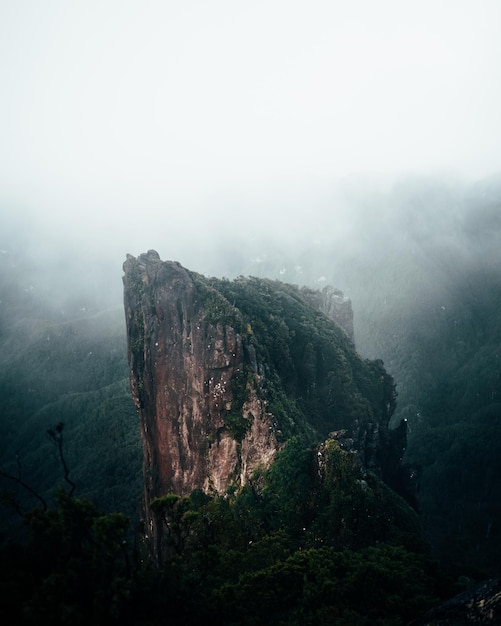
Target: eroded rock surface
pixel 223 373
pixel 183 373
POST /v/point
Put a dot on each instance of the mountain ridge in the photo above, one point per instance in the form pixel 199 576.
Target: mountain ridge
pixel 223 373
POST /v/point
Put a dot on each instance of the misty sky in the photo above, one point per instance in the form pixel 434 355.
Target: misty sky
pixel 115 112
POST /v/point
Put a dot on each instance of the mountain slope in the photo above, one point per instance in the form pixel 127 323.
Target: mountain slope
pixel 223 373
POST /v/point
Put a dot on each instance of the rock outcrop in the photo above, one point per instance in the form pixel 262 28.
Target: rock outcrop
pixel 335 305
pixel 223 373
pixel 479 605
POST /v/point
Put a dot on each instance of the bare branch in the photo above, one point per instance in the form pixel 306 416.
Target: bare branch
pixel 19 480
pixel 56 436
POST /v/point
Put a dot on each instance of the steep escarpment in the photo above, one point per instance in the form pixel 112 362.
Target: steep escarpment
pixel 188 372
pixel 224 372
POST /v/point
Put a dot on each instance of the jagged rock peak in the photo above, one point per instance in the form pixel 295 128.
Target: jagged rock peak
pixel 194 382
pixel 223 372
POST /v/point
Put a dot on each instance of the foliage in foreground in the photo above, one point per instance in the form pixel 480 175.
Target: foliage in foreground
pixel 298 545
pixel 74 569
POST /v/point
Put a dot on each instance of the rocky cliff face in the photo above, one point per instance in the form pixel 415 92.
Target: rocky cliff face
pixel 222 373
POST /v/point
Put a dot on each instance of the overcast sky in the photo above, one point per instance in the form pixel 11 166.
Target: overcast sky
pixel 114 112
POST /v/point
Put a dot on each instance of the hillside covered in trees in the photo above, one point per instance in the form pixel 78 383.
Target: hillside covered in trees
pixel 423 272
pixel 424 276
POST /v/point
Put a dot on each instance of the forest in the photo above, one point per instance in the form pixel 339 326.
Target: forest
pixel 424 279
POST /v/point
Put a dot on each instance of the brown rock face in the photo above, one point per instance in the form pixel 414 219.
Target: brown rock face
pixel 187 376
pixel 223 373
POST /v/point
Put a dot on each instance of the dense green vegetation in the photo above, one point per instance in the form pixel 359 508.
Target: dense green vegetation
pixel 73 569
pixel 423 270
pixel 276 555
pixel 337 548
pixel 309 364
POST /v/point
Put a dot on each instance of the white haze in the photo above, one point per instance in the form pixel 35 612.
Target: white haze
pixel 190 126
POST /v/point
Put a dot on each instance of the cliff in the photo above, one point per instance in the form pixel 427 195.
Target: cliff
pixel 223 373
pixel 334 304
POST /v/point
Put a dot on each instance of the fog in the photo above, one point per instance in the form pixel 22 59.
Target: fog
pixel 214 131
pixel 353 143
